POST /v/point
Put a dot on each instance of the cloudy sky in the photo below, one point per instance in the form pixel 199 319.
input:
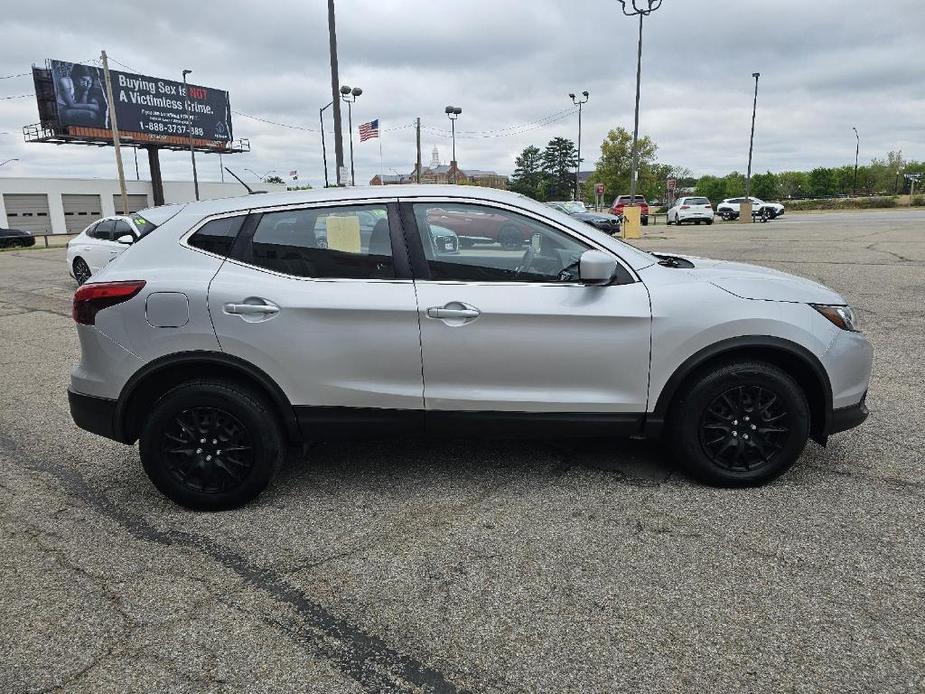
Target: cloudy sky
pixel 826 66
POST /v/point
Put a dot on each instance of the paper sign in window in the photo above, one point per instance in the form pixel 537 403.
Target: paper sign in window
pixel 343 233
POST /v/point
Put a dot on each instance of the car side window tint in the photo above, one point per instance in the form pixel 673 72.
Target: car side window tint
pixel 349 242
pixel 484 244
pixel 218 235
pixel 122 228
pixel 104 229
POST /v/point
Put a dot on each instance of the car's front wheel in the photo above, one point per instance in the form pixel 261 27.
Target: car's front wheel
pixel 739 424
pixel 211 445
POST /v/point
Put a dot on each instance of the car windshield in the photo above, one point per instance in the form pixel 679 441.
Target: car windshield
pixel 573 206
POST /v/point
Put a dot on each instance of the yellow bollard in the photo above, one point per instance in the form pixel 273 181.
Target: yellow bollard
pixel 632 226
pixel 745 213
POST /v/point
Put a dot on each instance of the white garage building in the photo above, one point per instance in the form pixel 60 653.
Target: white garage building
pixel 67 205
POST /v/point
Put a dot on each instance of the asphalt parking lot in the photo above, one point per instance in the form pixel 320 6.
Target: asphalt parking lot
pixel 494 566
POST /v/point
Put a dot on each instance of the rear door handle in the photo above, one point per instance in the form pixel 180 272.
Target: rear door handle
pixel 251 309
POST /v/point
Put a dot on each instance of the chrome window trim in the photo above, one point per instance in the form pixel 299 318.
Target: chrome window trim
pixel 184 239
pixel 526 213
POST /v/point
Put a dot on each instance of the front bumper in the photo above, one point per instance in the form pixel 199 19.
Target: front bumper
pixel 94 414
pixel 845 418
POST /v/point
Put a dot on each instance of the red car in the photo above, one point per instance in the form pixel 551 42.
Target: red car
pixel 624 200
pixel 479 227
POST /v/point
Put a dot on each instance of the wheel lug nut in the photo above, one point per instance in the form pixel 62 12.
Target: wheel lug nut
pixel 754 427
pixel 199 450
pixel 214 441
pixel 202 440
pixel 208 458
pixel 745 436
pixel 735 433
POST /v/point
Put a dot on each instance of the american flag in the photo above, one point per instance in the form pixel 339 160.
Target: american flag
pixel 369 130
pixel 294 175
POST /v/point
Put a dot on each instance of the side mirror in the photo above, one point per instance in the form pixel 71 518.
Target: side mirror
pixel 126 239
pixel 596 267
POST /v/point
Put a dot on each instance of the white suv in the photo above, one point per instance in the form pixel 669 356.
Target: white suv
pixel 235 329
pixel 689 209
pixel 730 208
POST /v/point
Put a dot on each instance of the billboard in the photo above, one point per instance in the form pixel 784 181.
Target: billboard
pixel 150 107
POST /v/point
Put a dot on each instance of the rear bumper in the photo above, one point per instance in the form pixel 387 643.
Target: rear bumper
pixel 845 418
pixel 93 414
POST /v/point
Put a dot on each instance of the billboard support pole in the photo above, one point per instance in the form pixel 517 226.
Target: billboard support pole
pixel 113 121
pixel 157 183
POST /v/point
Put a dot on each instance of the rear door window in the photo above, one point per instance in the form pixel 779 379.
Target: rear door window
pixel 104 229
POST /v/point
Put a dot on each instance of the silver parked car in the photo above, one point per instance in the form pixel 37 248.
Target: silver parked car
pixel 232 330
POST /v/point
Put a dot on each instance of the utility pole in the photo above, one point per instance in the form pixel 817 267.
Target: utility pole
pixel 335 96
pixel 114 123
pixel 579 103
pixel 417 166
pixel 751 142
pixel 350 96
pixel 857 151
pixel 324 149
pixel 189 130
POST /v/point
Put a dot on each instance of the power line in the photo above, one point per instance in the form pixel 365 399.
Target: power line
pixel 21 74
pixel 18 96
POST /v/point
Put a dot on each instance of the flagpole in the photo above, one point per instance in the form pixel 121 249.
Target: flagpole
pixel 381 179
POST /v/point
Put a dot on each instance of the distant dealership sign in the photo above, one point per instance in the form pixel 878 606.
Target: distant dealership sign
pixel 149 107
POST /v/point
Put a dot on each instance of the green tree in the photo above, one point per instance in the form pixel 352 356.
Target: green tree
pixel 528 172
pixel 273 179
pixel 793 184
pixel 614 166
pixel 559 161
pixel 711 187
pixel 822 181
pixel 735 184
pixel 764 186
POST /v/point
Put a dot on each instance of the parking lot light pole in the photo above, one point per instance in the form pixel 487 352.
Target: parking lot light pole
pixel 857 151
pixel 350 96
pixel 751 141
pixel 640 8
pixel 579 103
pixel 324 149
pixel 189 129
pixel 452 112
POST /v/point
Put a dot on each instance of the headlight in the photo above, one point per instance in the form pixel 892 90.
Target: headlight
pixel 842 317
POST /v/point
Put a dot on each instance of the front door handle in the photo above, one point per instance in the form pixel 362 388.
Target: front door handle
pixel 455 311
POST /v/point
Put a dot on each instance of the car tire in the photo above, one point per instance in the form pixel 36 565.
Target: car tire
pixel 739 424
pixel 645 221
pixel 510 237
pixel 81 270
pixel 187 436
pixel 709 222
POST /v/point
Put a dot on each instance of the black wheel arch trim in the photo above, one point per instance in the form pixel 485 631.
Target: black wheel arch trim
pixel 656 420
pixel 210 358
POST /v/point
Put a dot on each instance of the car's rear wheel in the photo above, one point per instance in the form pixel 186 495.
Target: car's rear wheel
pixel 81 270
pixel 510 237
pixel 211 445
pixel 709 222
pixel 739 424
pixel 645 221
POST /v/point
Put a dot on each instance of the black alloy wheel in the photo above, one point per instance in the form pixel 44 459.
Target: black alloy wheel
pixel 207 450
pixel 211 445
pixel 81 271
pixel 743 428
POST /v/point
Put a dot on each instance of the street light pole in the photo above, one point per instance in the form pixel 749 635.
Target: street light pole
pixel 751 141
pixel 857 151
pixel 579 103
pixel 350 96
pixel 189 129
pixel 642 8
pixel 335 81
pixel 452 112
pixel 324 149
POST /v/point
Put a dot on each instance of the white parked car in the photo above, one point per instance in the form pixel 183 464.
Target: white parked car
pixel 97 245
pixel 689 209
pixel 730 208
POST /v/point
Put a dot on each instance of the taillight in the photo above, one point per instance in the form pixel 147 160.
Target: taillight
pixel 90 299
pixel 685 207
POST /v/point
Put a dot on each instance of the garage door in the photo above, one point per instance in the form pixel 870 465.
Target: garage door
pixel 136 201
pixel 79 211
pixel 27 211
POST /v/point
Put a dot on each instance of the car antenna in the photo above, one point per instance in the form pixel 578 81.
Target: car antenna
pixel 250 190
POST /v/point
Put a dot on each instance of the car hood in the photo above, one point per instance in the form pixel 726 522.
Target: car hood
pixel 589 216
pixel 760 283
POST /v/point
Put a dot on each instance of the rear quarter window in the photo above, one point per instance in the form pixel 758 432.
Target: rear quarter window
pixel 218 235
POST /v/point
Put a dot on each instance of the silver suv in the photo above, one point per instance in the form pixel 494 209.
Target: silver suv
pixel 234 330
